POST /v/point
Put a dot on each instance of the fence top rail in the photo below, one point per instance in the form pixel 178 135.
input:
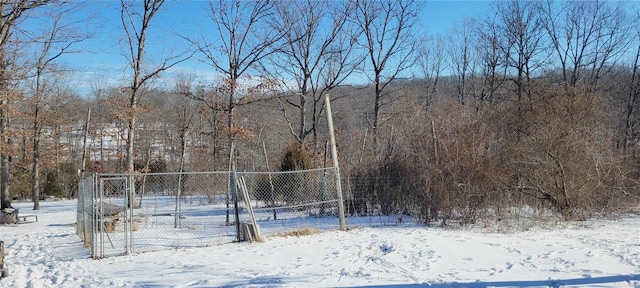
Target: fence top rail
pixel 124 174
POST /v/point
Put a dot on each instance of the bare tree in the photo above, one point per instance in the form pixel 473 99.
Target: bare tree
pixel 184 114
pixel 12 12
pixel 388 29
pixel 490 54
pixel 521 41
pixel 60 148
pixel 57 39
pixel 212 120
pixel 317 54
pixel 431 61
pixel 150 129
pixel 613 42
pixel 136 23
pixel 587 37
pixel 240 44
pixel 461 54
pixel 630 120
pixel 97 133
pixel 115 116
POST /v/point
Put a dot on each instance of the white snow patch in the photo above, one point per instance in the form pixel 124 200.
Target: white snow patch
pixel 47 253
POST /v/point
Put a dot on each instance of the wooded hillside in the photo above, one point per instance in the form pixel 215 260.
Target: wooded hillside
pixel 535 104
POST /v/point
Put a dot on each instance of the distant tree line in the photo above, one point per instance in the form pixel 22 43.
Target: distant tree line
pixel 531 107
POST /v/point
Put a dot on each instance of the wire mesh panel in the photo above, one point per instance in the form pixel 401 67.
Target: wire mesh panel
pixel 84 209
pixel 286 201
pixel 180 210
pixel 112 217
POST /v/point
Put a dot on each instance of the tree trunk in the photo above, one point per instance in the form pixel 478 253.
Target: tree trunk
pixel 12 11
pixel 130 156
pixel 35 195
pixel 4 158
pixel 230 143
pixel 376 115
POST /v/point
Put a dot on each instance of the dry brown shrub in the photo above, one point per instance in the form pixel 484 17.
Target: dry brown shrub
pixel 564 155
pixel 461 179
pixel 550 153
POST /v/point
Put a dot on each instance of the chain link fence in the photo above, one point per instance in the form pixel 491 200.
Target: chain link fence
pixel 126 213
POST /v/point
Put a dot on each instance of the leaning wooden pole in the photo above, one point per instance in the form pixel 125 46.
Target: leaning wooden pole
pixel 4 272
pixel 84 143
pixel 334 155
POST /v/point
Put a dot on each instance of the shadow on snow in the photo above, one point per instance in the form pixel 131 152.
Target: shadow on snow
pixel 530 283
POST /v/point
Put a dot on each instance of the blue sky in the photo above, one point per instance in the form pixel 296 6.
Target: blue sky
pixel 441 16
pixel 102 62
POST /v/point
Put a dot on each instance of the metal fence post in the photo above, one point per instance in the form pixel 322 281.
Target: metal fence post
pixel 91 194
pixel 129 190
pixel 234 195
pixel 98 225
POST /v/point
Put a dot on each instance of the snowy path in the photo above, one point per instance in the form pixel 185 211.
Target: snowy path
pixel 597 254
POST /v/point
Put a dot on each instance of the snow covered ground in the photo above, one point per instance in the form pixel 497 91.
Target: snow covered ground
pixel 601 253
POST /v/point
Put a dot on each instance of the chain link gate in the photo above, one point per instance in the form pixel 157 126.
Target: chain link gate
pixel 113 217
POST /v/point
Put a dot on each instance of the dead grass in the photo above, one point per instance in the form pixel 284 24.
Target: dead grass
pixel 298 233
